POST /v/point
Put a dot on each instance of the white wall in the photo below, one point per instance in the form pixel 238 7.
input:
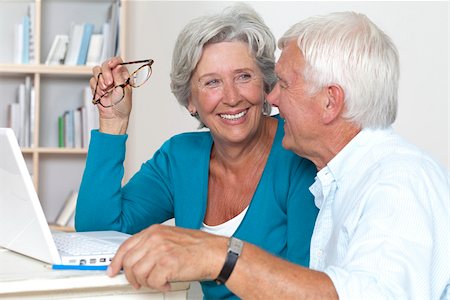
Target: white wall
pixel 419 29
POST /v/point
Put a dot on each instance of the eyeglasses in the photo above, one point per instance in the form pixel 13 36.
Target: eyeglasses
pixel 116 94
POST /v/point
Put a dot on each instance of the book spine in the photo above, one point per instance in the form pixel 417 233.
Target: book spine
pixel 67 210
pixel 84 46
pixel 26 40
pixel 18 41
pixel 60 132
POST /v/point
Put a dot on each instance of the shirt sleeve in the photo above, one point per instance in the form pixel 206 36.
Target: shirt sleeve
pixel 103 204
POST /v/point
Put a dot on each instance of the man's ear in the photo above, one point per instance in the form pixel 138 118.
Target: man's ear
pixel 334 104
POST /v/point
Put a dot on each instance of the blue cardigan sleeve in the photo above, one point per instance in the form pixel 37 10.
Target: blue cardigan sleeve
pixel 102 202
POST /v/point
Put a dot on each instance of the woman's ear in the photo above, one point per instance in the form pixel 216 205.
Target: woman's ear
pixel 334 104
pixel 191 107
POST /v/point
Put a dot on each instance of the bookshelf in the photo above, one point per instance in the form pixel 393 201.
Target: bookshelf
pixel 55 171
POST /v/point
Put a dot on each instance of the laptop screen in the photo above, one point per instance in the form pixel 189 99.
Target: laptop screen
pixel 23 226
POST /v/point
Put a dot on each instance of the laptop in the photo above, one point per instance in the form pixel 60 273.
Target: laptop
pixel 24 228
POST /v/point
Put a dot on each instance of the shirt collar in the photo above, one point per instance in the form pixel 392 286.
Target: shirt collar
pixel 322 186
pixel 344 162
pixel 355 151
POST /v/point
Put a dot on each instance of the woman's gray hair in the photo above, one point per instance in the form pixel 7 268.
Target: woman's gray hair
pixel 347 49
pixel 236 23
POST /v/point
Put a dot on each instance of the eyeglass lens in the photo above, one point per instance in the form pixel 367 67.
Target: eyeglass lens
pixel 116 94
pixel 140 76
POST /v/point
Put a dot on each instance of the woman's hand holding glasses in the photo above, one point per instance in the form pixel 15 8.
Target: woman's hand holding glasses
pixel 111 86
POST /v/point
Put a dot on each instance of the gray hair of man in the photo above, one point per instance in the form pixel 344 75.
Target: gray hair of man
pixel 235 23
pixel 347 49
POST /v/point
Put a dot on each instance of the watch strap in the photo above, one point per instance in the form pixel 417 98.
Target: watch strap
pixel 234 250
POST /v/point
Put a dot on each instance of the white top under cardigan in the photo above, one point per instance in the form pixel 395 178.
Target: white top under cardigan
pixel 228 228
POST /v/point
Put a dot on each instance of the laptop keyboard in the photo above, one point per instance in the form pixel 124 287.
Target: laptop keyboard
pixel 75 244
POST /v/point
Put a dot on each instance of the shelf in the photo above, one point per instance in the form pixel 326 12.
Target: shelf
pixel 56 172
pixel 46 69
pixel 55 150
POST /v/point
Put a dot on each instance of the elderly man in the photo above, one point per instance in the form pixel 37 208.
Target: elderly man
pixel 383 231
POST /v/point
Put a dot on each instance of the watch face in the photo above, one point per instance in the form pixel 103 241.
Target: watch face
pixel 235 245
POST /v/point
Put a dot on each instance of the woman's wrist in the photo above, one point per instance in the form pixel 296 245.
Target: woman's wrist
pixel 113 126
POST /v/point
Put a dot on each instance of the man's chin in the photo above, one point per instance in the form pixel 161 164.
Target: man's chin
pixel 286 143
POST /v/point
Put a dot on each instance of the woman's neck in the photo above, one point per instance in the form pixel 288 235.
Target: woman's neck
pixel 231 156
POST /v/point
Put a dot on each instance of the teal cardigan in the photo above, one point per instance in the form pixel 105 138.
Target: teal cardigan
pixel 174 184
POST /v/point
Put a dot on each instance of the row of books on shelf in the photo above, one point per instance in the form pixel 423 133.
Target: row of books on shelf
pixel 24 37
pixel 83 46
pixel 21 113
pixel 75 125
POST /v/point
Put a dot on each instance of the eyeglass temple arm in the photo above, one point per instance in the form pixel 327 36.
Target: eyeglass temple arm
pixel 149 61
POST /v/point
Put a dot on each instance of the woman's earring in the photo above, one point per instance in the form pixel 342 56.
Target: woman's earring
pixel 194 114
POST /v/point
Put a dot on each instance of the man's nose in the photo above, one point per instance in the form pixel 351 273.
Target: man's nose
pixel 272 98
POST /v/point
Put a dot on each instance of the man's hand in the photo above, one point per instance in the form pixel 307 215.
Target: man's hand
pixel 162 254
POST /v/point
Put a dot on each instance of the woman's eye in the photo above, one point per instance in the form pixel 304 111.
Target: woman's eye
pixel 244 77
pixel 212 83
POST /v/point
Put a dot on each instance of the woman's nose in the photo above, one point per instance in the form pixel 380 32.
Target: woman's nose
pixel 231 94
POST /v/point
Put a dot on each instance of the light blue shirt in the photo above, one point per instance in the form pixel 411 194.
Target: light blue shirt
pixel 383 230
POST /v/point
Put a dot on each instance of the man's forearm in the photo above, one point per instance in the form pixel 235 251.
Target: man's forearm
pixel 260 275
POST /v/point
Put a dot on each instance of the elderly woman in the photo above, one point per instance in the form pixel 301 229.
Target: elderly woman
pixel 233 180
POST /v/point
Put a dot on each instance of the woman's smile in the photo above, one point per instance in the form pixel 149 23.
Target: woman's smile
pixel 234 116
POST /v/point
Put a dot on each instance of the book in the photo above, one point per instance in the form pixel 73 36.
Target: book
pixel 114 21
pixel 18 43
pixel 26 40
pixel 58 50
pixel 68 129
pixel 84 128
pixel 21 103
pixel 106 36
pixel 77 138
pixel 60 132
pixel 92 121
pixel 73 49
pixel 84 45
pixel 67 210
pixel 31 14
pixel 14 117
pixel 32 115
pixel 110 32
pixel 25 101
pixel 27 112
pixel 95 50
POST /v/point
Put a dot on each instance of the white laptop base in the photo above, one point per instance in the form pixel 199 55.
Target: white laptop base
pixel 23 227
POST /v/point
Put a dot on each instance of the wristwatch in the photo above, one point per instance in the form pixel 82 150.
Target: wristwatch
pixel 234 250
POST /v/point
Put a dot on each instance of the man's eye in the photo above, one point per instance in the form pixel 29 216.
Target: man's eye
pixel 282 84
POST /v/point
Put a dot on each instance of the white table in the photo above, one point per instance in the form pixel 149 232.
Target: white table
pixel 26 278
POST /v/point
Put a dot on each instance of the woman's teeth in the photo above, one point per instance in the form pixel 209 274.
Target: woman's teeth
pixel 233 117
